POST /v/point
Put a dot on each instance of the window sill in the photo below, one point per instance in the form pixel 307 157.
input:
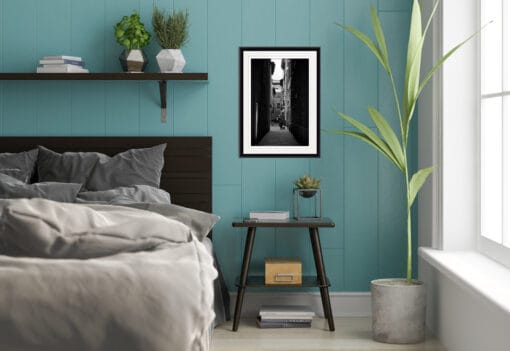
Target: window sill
pixel 473 271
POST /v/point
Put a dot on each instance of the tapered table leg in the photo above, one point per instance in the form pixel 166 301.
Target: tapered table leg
pixel 248 248
pixel 321 276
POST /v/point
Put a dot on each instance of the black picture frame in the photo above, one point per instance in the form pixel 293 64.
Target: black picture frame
pixel 279 101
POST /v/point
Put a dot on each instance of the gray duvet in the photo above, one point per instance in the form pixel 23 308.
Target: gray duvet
pixel 101 278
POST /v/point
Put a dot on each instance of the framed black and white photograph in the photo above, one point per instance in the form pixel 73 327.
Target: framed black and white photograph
pixel 279 102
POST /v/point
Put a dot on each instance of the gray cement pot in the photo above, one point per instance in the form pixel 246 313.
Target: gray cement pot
pixel 398 311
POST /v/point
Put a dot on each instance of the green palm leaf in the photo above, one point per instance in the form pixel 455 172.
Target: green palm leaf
pixel 389 137
pixel 417 182
pixel 413 64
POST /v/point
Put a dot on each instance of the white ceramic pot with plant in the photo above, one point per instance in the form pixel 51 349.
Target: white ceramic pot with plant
pixel 131 34
pixel 172 33
pixel 398 305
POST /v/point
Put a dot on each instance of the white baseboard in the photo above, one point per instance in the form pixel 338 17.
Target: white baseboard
pixel 355 304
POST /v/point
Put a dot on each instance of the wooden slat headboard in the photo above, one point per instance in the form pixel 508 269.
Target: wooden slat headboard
pixel 187 174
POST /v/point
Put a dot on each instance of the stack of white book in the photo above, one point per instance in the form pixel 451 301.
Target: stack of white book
pixel 285 316
pixel 269 215
pixel 61 64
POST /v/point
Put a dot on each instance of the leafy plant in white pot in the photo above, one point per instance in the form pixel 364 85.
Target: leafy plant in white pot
pixel 172 33
pixel 398 305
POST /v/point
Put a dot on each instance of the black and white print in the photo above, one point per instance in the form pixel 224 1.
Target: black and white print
pixel 279 102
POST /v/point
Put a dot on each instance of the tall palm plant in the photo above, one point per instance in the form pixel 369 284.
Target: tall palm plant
pixel 386 141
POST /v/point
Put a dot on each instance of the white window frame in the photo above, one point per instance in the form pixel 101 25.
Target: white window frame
pixel 499 251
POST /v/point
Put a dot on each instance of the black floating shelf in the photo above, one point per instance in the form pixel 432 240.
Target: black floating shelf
pixel 161 77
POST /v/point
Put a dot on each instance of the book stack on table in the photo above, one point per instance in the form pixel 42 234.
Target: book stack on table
pixel 269 215
pixel 62 64
pixel 285 316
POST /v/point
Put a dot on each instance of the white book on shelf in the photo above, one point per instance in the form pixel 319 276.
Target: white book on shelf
pixel 61 62
pixel 286 312
pixel 68 69
pixel 269 215
pixel 62 57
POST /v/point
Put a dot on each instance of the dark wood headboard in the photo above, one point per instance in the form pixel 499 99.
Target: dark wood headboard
pixel 187 174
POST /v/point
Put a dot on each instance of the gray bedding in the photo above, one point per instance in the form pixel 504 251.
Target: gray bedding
pixel 101 277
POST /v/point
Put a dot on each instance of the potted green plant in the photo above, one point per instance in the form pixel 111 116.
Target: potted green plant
pixel 307 185
pixel 172 33
pixel 398 305
pixel 131 34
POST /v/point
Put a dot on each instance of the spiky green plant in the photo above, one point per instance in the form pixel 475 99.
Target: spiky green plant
pixel 307 182
pixel 172 29
pixel 387 142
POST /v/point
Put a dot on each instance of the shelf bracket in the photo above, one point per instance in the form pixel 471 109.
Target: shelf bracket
pixel 162 94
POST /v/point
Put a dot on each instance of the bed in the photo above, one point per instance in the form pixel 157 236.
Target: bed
pixel 143 283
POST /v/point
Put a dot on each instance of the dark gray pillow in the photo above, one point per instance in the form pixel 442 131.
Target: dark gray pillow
pixel 11 188
pixel 126 195
pixel 131 167
pixel 69 167
pixel 24 161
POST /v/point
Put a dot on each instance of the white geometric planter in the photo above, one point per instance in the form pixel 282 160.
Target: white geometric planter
pixel 398 311
pixel 171 61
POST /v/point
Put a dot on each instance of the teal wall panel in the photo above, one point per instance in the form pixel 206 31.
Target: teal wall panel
pixel 259 22
pixel 224 39
pixel 395 5
pixel 360 191
pixel 391 219
pixel 88 111
pixel 292 28
pixel 361 222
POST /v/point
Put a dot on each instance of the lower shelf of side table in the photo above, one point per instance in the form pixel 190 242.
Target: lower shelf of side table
pixel 258 281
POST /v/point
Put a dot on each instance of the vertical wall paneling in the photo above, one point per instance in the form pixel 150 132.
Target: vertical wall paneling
pixel 19 33
pixel 395 5
pixel 224 39
pixel 361 247
pixel 258 20
pixel 360 65
pixel 360 191
pixel 392 219
pixel 88 114
pixel 329 37
pixel 258 175
pixel 226 239
pixel 53 38
pixel 190 98
pixel 2 13
pixel 360 167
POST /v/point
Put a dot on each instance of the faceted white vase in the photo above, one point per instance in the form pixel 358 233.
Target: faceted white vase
pixel 171 61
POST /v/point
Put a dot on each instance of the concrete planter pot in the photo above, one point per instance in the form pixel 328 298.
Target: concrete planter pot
pixel 171 61
pixel 398 311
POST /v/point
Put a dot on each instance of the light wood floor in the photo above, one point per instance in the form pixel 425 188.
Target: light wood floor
pixel 352 334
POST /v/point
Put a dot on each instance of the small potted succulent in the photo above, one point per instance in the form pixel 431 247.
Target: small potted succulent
pixel 307 186
pixel 131 34
pixel 172 33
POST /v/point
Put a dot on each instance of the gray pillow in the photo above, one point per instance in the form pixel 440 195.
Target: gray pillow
pixel 24 161
pixel 16 173
pixel 11 188
pixel 69 167
pixel 126 195
pixel 199 222
pixel 131 167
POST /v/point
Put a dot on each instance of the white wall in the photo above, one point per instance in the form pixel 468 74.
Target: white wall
pixel 461 319
pixel 448 206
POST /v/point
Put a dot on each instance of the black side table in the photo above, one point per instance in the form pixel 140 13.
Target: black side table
pixel 320 281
